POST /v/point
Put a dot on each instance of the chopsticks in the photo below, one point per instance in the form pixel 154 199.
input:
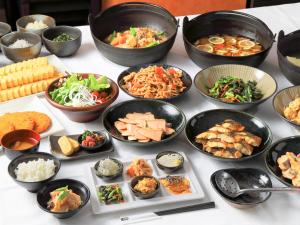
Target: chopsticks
pixel 156 215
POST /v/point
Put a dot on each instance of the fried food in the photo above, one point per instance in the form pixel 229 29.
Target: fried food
pixel 292 111
pixel 30 120
pixel 289 164
pixel 26 78
pixel 42 121
pixel 176 184
pixel 139 167
pixel 143 127
pixel 5 127
pixel 228 140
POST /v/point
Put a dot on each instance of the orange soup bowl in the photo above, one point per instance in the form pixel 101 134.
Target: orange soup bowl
pixel 19 142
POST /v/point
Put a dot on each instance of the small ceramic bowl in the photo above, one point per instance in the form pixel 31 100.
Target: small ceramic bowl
pixel 160 109
pixel 78 188
pixel 4 29
pixel 32 186
pixel 22 22
pixel 282 99
pixel 21 54
pixel 65 48
pixel 110 177
pixel 249 178
pixel 186 79
pixel 203 121
pixel 20 135
pixel 96 148
pixel 140 195
pixel 279 148
pixel 206 78
pixel 169 169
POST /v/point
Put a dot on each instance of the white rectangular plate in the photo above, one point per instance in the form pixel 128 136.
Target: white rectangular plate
pixel 32 103
pixel 131 202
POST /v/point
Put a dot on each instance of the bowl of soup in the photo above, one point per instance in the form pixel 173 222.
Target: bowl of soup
pixel 19 142
pixel 227 37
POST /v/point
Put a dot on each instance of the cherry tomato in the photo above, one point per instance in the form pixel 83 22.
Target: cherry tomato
pixel 172 71
pixel 89 138
pixel 159 70
pixel 220 46
pixel 84 143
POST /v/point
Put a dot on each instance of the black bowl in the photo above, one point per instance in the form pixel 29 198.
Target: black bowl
pixel 4 29
pixel 288 45
pixel 111 177
pixel 186 79
pixel 140 195
pixel 166 168
pixel 279 148
pixel 249 178
pixel 226 22
pixel 203 121
pixel 96 148
pixel 32 186
pixel 62 49
pixel 79 188
pixel 160 109
pixel 121 17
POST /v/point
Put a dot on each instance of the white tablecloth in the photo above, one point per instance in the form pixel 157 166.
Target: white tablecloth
pixel 17 206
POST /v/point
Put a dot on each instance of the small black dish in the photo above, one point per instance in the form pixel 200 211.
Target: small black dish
pixel 140 195
pixel 133 14
pixel 96 148
pixel 226 22
pixel 186 79
pixel 288 45
pixel 166 168
pixel 111 177
pixel 279 148
pixel 79 188
pixel 62 49
pixel 248 178
pixel 32 186
pixel 4 29
pixel 203 121
pixel 160 109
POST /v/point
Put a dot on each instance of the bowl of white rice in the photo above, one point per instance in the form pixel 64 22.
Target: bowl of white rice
pixel 33 170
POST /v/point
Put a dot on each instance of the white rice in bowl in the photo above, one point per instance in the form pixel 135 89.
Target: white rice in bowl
pixel 35 170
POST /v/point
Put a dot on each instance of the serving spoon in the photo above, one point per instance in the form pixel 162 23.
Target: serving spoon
pixel 230 186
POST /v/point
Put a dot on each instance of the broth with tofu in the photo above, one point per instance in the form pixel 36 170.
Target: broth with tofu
pixel 228 45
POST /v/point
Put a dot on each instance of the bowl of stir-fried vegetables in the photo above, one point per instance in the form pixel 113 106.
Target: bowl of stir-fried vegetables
pixel 82 97
pixel 235 86
pixel 134 33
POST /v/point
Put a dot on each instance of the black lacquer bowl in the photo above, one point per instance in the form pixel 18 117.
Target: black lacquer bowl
pixel 288 45
pixel 160 109
pixel 279 148
pixel 133 14
pixel 186 79
pixel 231 23
pixel 77 187
pixel 207 119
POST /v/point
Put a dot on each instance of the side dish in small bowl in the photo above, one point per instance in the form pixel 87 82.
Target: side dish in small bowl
pixel 92 141
pixel 235 86
pixel 169 161
pixel 144 187
pixel 82 97
pixel 108 168
pixel 155 81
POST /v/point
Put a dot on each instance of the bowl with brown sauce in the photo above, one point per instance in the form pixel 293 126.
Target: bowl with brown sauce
pixel 134 33
pixel 227 37
pixel 19 142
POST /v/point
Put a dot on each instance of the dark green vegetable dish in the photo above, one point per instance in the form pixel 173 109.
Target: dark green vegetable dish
pixel 63 37
pixel 110 194
pixel 235 90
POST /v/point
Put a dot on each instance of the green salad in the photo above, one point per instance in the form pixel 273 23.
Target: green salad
pixel 110 194
pixel 233 90
pixel 78 91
